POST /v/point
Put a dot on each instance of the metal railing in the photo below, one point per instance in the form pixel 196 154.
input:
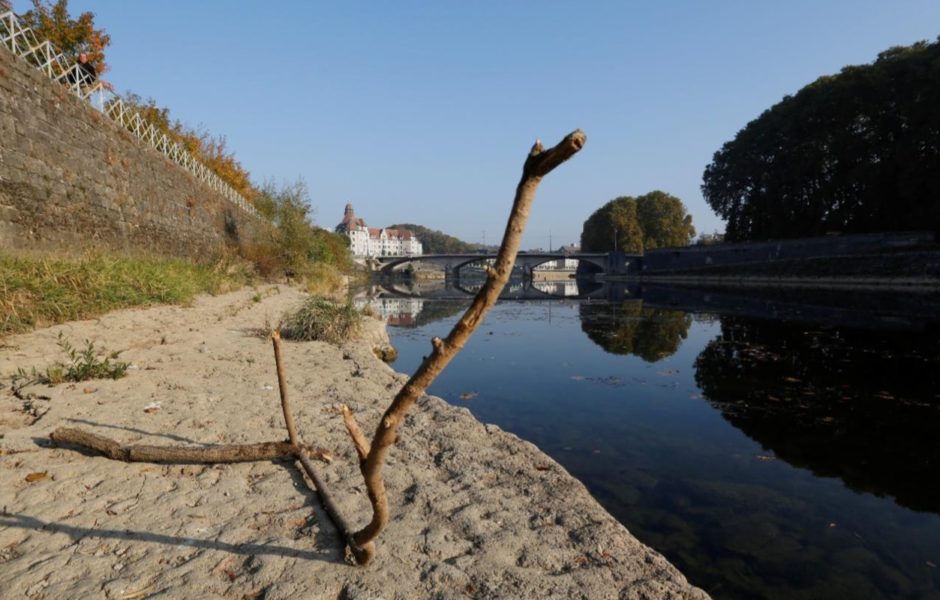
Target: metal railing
pixel 22 41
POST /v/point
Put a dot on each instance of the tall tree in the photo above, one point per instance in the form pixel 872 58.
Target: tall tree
pixel 653 220
pixel 854 152
pixel 51 21
pixel 664 221
pixel 613 226
pixel 437 242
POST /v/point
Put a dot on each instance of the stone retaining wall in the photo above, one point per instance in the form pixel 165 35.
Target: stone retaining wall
pixel 71 179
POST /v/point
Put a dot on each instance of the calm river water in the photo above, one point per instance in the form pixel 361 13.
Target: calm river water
pixel 770 445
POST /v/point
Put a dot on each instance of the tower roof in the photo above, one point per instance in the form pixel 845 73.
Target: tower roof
pixel 349 221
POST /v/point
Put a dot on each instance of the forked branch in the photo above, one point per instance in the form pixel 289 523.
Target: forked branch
pixel 371 456
pixel 362 552
pixel 538 164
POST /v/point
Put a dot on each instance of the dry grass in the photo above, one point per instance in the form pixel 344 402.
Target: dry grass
pixel 320 319
pixel 38 291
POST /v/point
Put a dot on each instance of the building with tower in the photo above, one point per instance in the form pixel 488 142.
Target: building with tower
pixel 365 241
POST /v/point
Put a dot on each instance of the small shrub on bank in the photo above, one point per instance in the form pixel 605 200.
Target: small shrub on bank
pixel 321 320
pixel 82 365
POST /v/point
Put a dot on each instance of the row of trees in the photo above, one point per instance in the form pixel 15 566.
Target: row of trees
pixel 855 152
pixel 850 153
pixel 637 224
pixel 437 242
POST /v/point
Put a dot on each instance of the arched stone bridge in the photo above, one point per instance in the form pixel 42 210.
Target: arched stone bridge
pixel 602 262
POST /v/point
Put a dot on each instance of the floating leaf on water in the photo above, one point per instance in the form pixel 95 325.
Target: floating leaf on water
pixel 37 476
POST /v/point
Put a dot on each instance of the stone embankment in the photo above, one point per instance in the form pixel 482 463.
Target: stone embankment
pixel 71 179
pixel 477 512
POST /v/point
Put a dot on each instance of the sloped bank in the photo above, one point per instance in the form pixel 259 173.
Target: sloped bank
pixel 477 512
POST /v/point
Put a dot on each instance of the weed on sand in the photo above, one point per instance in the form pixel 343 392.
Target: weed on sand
pixel 83 364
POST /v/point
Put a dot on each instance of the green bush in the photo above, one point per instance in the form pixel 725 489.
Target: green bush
pixel 293 246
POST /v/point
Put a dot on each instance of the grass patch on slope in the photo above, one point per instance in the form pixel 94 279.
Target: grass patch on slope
pixel 38 291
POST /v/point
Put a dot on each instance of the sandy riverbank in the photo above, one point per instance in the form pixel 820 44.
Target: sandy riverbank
pixel 476 512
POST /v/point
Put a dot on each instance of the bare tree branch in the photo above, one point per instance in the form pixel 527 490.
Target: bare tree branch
pixel 363 553
pixel 359 440
pixel 538 164
pixel 174 454
pixel 282 388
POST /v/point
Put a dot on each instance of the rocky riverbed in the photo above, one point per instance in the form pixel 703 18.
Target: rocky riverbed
pixel 476 512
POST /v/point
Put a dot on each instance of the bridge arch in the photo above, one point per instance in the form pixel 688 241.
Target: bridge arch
pixel 453 263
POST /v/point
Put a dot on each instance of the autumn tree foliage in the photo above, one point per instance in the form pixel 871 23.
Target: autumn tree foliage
pixel 636 224
pixel 295 244
pixel 51 21
pixel 210 150
pixel 73 36
pixel 854 152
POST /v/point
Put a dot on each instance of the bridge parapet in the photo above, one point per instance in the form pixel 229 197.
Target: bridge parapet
pixel 453 263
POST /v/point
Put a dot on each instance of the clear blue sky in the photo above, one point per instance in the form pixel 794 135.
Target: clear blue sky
pixel 424 111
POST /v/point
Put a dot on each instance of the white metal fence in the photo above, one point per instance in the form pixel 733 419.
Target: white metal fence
pixel 20 39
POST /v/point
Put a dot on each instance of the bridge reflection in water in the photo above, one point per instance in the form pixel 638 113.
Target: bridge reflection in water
pixel 410 304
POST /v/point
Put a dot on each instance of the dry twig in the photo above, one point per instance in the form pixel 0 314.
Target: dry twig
pixel 362 552
pixel 173 454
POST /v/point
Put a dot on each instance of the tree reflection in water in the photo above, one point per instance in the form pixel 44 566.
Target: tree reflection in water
pixel 859 405
pixel 631 328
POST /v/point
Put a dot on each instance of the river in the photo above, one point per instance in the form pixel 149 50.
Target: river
pixel 771 444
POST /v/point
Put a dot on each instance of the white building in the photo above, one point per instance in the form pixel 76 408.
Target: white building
pixel 398 312
pixel 376 241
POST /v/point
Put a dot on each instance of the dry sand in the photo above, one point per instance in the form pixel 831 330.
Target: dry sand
pixel 476 512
